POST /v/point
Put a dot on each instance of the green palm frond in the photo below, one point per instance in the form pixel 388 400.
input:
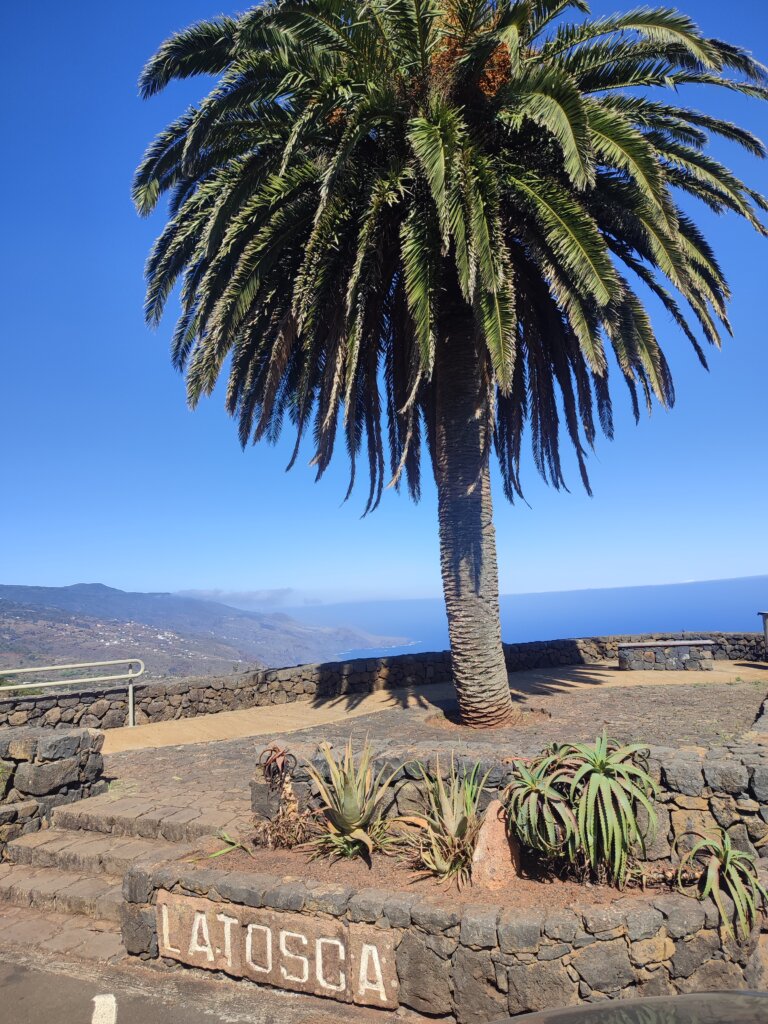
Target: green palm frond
pixel 435 140
pixel 621 146
pixel 661 26
pixel 420 245
pixel 573 236
pixel 364 174
pixel 544 12
pixel 206 48
pixel 552 99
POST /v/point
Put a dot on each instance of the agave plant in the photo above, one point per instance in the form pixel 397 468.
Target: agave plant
pixel 538 812
pixel 607 784
pixel 729 869
pixel 452 821
pixel 351 814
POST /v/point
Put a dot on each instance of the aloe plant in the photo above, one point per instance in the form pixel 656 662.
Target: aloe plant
pixel 538 813
pixel 581 801
pixel 606 786
pixel 350 815
pixel 729 869
pixel 449 830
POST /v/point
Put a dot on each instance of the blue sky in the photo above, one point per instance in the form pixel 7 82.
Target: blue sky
pixel 106 475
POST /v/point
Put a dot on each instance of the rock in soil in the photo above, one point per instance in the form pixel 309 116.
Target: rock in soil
pixel 496 860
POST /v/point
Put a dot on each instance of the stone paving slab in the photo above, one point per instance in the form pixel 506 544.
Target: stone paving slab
pixel 78 851
pixel 25 928
pixel 176 815
pixel 100 896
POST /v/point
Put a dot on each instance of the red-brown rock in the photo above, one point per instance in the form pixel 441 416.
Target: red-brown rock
pixel 496 861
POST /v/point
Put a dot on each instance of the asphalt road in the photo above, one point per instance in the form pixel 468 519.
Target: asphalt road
pixel 32 997
pixel 68 993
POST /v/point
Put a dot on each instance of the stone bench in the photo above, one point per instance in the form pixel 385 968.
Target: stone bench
pixel 667 655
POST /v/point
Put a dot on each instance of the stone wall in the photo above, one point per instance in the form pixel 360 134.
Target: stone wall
pixel 101 707
pixel 106 708
pixel 40 770
pixel 725 787
pixel 589 650
pixel 472 963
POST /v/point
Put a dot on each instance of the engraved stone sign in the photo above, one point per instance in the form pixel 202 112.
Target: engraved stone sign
pixel 354 963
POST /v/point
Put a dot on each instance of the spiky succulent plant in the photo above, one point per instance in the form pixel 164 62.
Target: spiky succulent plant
pixel 607 785
pixel 539 813
pixel 446 841
pixel 351 796
pixel 730 872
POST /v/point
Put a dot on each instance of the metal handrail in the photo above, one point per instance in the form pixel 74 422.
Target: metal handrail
pixel 130 675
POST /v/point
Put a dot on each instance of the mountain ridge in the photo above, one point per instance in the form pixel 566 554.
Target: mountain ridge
pixel 39 624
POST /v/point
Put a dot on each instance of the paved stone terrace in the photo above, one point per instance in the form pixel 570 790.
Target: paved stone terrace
pixel 669 716
pixel 208 783
pixel 272 719
pixel 329 711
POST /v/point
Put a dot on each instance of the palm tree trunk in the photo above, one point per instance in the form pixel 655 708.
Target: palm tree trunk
pixel 461 458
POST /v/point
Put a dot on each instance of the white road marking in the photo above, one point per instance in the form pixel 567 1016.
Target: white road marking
pixel 104 1010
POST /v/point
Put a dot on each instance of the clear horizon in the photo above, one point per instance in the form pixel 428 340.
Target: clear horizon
pixel 108 476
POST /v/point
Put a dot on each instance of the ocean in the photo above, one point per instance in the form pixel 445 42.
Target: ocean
pixel 730 605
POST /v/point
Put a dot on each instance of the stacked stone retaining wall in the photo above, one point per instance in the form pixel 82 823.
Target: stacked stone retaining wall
pixel 40 770
pixel 164 700
pixel 472 963
pixel 590 650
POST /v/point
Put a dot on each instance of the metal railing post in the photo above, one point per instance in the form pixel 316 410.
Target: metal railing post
pixel 764 616
pixel 131 704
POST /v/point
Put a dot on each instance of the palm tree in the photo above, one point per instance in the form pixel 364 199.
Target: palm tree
pixel 434 225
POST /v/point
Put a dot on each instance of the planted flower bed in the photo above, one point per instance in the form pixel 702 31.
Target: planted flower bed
pixel 378 904
pixel 698 790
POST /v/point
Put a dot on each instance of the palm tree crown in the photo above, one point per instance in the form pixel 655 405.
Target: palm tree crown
pixel 365 169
